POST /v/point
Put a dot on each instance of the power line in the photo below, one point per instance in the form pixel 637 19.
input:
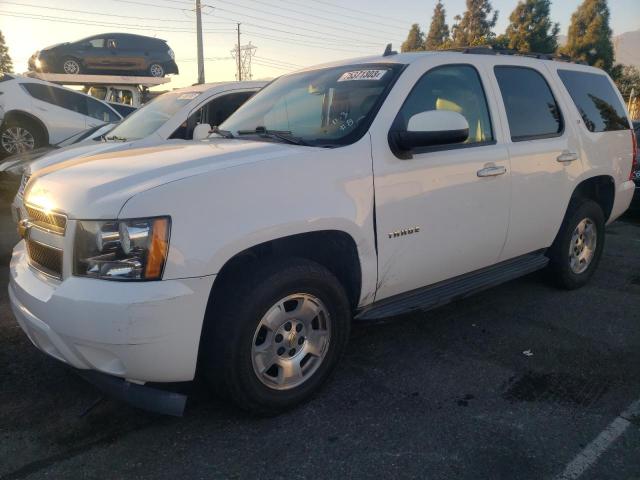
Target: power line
pixel 362 12
pixel 51 18
pixel 289 40
pixel 309 22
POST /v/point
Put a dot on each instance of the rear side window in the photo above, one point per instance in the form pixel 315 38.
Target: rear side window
pixel 596 100
pixel 456 88
pixel 57 96
pixel 99 110
pixel 532 110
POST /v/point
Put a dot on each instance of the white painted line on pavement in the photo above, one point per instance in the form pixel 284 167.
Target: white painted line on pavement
pixel 587 457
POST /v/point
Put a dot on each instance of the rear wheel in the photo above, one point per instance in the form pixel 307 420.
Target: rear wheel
pixel 576 251
pixel 156 70
pixel 71 66
pixel 19 136
pixel 272 341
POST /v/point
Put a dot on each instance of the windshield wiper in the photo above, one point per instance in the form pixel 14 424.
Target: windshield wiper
pixel 222 133
pixel 115 138
pixel 284 135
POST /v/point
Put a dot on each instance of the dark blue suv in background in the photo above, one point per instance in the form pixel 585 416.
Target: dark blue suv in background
pixel 121 53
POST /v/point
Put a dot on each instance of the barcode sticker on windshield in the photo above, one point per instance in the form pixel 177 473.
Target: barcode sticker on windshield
pixel 188 96
pixel 362 75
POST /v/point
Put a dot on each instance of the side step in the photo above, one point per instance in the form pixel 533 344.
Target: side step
pixel 444 292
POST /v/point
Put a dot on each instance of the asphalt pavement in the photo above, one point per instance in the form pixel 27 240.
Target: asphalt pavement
pixel 520 382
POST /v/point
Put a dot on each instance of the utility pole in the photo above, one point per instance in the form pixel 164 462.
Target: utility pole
pixel 199 35
pixel 239 56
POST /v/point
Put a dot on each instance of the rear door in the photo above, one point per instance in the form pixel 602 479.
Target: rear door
pixel 64 112
pixel 129 53
pixel 544 153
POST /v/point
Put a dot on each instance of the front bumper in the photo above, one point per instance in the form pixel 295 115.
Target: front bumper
pixel 171 67
pixel 141 332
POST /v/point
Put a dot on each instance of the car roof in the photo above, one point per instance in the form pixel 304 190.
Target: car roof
pixel 123 35
pixel 221 87
pixel 452 56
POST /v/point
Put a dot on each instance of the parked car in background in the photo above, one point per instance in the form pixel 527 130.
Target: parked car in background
pixel 635 205
pixel 171 117
pixel 368 188
pixel 108 52
pixel 38 113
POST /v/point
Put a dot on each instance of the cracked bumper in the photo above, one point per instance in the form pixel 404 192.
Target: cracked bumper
pixel 142 332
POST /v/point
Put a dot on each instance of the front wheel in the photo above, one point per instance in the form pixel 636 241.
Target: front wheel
pixel 273 340
pixel 576 251
pixel 71 66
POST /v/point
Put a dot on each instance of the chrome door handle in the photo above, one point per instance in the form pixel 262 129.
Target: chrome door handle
pixel 567 157
pixel 492 171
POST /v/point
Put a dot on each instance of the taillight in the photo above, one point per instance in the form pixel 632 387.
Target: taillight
pixel 634 159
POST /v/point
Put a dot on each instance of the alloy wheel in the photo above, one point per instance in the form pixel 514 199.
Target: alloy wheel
pixel 156 70
pixel 17 140
pixel 582 247
pixel 291 341
pixel 71 67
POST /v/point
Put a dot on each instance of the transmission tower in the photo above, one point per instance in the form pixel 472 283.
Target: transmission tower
pixel 242 54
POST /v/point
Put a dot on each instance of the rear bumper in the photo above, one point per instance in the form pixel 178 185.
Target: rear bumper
pixel 142 332
pixel 623 197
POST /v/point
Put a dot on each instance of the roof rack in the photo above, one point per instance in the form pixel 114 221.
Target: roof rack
pixel 489 50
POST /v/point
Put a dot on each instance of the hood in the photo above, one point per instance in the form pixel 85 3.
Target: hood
pixel 51 47
pixel 97 186
pixel 33 164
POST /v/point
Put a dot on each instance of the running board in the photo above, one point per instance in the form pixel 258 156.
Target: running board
pixel 447 291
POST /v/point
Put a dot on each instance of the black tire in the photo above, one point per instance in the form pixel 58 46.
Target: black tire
pixel 560 269
pixel 24 128
pixel 71 66
pixel 234 318
pixel 156 70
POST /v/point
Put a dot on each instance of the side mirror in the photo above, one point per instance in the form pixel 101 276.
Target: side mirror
pixel 428 129
pixel 201 131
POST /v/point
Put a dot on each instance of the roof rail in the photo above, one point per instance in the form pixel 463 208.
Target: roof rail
pixel 490 50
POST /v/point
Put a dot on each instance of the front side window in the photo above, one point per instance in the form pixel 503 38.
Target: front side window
pixel 328 107
pixel 456 88
pixel 97 42
pixel 152 116
pixel 596 100
pixel 532 110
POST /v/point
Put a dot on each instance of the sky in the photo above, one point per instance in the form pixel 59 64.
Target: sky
pixel 288 35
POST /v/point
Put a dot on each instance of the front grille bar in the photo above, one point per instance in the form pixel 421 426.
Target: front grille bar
pixel 53 222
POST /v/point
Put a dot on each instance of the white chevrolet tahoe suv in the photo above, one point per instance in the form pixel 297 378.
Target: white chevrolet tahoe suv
pixel 364 189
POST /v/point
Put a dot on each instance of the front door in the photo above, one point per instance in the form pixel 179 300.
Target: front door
pixel 444 212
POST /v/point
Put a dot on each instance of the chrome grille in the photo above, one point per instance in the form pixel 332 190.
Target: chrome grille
pixel 23 185
pixel 45 258
pixel 52 221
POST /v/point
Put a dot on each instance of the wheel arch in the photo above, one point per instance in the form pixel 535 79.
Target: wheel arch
pixel 21 114
pixel 601 189
pixel 336 250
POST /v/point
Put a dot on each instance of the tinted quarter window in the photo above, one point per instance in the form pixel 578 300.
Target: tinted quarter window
pixel 532 110
pixel 456 88
pixel 40 92
pixel 100 111
pixel 596 100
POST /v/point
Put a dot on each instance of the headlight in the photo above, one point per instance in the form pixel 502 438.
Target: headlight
pixel 38 63
pixel 122 249
pixel 171 54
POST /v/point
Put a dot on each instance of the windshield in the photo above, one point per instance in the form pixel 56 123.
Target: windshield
pixel 328 107
pixel 146 120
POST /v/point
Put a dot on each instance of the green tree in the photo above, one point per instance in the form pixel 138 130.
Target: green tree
pixel 590 35
pixel 438 36
pixel 6 65
pixel 415 39
pixel 476 24
pixel 531 29
pixel 628 79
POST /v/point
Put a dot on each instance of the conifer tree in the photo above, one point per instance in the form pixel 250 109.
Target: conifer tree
pixel 438 36
pixel 415 39
pixel 590 35
pixel 475 26
pixel 531 29
pixel 6 65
